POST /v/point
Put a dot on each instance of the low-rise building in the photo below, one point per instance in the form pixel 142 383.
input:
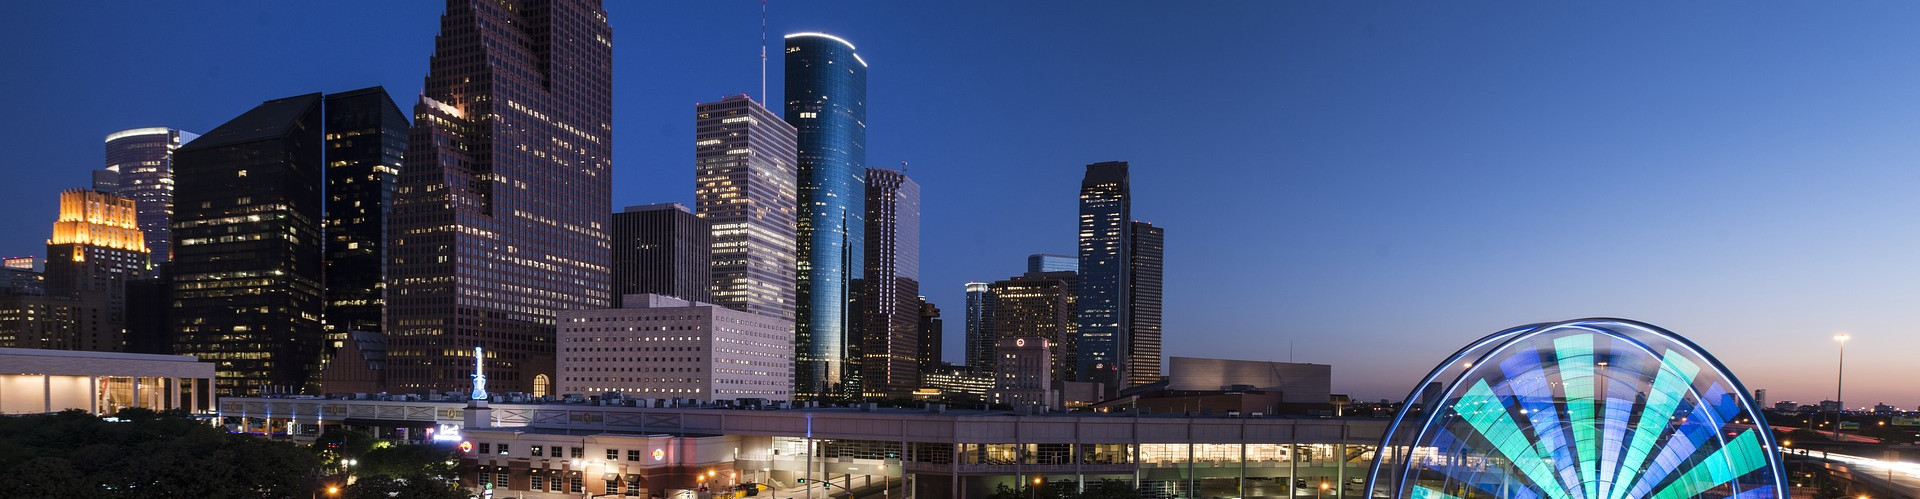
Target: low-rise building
pixel 38 381
pixel 664 347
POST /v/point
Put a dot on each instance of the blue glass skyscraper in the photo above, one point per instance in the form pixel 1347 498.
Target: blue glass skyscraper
pixel 826 96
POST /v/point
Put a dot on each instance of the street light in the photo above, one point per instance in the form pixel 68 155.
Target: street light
pixel 1840 383
pixel 1036 485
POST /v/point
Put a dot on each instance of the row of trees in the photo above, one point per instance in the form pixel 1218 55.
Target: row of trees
pixel 144 454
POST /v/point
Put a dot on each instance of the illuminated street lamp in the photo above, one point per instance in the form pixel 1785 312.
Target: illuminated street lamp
pixel 1840 383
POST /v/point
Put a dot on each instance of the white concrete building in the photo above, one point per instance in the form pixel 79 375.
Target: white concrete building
pixel 40 381
pixel 664 347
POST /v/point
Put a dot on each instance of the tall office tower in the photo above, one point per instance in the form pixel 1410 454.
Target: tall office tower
pixel 143 159
pixel 1044 262
pixel 890 329
pixel 246 273
pixel 1105 234
pixel 661 249
pixel 979 341
pixel 366 139
pixel 931 335
pixel 1037 305
pixel 1145 250
pixel 95 251
pixel 500 217
pixel 744 169
pixel 107 181
pixel 827 103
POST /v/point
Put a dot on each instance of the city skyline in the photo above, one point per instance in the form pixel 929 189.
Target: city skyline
pixel 1562 163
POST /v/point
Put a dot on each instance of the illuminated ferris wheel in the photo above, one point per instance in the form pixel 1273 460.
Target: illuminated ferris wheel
pixel 1584 409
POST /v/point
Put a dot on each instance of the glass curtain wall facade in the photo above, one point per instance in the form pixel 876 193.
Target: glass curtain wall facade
pixel 366 138
pixel 1584 409
pixel 891 336
pixel 1146 251
pixel 979 334
pixel 1106 234
pixel 247 266
pixel 826 92
pixel 142 159
pixel 501 211
pixel 744 174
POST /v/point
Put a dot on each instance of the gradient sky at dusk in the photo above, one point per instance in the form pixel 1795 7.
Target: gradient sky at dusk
pixel 1366 184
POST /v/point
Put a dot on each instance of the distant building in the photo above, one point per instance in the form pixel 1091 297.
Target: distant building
pixel 247 267
pixel 1883 408
pixel 1023 374
pixel 744 168
pixel 1831 406
pixel 663 347
pixel 97 248
pixel 1047 262
pixel 890 292
pixel 1216 386
pixel 977 350
pixel 1037 305
pixel 141 160
pixel 662 249
pixel 1760 397
pixel 1786 406
pixel 43 381
pixel 958 385
pixel 931 336
pixel 1143 303
pixel 18 281
pixel 22 263
pixel 1105 222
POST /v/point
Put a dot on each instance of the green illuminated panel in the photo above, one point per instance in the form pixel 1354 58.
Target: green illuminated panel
pixel 1576 379
pixel 1422 492
pixel 1482 409
pixel 1669 386
pixel 1742 455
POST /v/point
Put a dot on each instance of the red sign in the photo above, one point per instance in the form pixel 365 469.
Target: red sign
pixel 466 446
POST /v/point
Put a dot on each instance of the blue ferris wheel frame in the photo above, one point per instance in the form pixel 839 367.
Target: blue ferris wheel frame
pixel 1403 436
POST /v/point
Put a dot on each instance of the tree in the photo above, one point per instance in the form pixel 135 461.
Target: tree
pixel 145 454
pixel 415 486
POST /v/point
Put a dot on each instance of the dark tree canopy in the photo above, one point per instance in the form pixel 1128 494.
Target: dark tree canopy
pixel 147 454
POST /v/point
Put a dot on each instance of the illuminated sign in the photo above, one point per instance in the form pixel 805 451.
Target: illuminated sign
pixel 659 454
pixel 1020 342
pixel 466 446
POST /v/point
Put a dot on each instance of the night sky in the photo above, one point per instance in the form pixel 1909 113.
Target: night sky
pixel 1366 184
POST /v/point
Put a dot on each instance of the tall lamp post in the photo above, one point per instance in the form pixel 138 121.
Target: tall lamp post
pixel 1840 383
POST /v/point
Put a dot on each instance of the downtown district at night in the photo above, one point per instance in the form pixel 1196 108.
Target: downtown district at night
pixel 567 249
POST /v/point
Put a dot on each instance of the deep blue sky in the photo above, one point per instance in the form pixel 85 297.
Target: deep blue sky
pixel 1365 184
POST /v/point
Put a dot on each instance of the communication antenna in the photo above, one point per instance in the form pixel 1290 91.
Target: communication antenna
pixel 763 53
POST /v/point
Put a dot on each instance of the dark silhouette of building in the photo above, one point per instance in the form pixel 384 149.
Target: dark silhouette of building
pixel 500 217
pixel 1105 235
pixel 931 335
pixel 366 138
pixel 140 162
pixel 246 273
pixel 1145 250
pixel 661 249
pixel 890 331
pixel 826 92
pixel 744 171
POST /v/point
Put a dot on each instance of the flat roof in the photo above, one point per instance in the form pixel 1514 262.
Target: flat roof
pixel 78 354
